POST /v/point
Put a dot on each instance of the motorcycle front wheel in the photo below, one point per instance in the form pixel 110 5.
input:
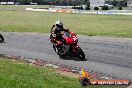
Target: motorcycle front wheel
pixel 80 54
pixel 1 38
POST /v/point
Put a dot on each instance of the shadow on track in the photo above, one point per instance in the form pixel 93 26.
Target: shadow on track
pixel 71 58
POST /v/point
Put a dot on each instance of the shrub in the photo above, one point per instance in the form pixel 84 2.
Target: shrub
pixel 119 7
pixel 88 8
pixel 104 8
pixel 96 8
pixel 80 8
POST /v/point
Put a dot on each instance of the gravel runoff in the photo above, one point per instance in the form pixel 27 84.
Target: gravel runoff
pixel 111 56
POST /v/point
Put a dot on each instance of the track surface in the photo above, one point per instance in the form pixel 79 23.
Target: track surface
pixel 112 56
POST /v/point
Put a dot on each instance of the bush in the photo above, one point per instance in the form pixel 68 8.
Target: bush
pixel 119 7
pixel 88 8
pixel 80 8
pixel 96 8
pixel 104 8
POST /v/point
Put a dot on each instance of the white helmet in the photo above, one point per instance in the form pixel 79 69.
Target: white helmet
pixel 59 23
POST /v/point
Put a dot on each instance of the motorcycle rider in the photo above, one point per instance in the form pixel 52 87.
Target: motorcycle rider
pixel 56 33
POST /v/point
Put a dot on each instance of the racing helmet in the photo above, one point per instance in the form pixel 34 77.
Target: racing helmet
pixel 59 24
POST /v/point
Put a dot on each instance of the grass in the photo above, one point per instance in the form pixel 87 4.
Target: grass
pixel 16 19
pixel 22 75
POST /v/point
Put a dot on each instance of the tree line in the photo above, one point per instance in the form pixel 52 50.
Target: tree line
pixel 51 2
pixel 66 2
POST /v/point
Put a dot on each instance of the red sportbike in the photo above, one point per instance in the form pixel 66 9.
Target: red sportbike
pixel 68 46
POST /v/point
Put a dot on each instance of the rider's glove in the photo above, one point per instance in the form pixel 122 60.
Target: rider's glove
pixel 59 42
pixel 53 40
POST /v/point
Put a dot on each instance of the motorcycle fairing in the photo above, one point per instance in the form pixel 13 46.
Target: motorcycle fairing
pixel 70 38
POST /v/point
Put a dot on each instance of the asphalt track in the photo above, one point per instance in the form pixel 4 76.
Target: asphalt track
pixel 112 56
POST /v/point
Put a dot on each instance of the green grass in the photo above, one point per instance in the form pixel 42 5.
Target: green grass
pixel 20 75
pixel 16 19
